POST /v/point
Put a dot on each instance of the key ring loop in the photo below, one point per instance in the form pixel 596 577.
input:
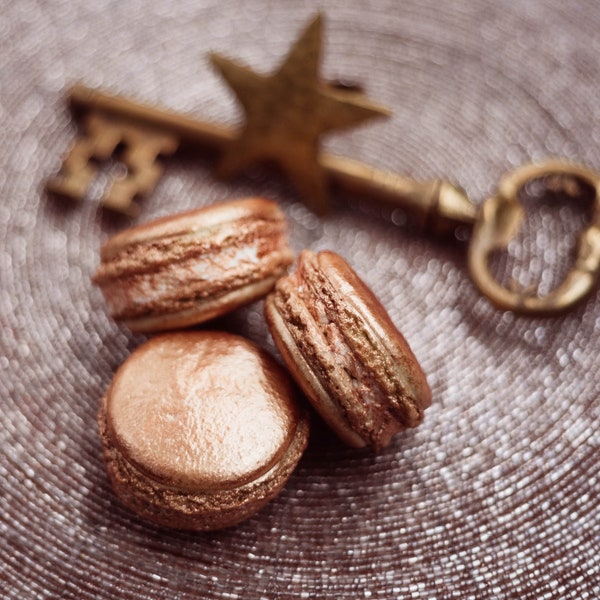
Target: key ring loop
pixel 498 223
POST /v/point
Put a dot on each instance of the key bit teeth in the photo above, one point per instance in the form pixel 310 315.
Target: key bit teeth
pixel 66 188
pixel 121 198
pixel 72 184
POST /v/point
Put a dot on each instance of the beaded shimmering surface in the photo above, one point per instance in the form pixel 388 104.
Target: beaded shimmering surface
pixel 495 494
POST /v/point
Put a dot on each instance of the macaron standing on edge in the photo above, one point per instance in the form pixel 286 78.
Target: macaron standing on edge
pixel 185 269
pixel 345 353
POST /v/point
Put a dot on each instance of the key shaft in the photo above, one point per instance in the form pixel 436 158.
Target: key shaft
pixel 436 206
pixel 186 129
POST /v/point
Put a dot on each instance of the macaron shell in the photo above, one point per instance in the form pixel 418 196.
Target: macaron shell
pixel 202 311
pixel 403 368
pixel 195 220
pixel 201 410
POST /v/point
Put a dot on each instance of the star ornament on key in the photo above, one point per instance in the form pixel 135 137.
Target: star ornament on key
pixel 286 114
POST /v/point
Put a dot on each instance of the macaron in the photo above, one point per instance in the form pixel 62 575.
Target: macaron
pixel 345 352
pixel 185 269
pixel 200 430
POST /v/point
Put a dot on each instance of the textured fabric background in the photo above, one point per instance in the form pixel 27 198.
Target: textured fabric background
pixel 496 494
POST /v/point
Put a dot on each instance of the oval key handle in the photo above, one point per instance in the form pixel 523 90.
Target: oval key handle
pixel 498 223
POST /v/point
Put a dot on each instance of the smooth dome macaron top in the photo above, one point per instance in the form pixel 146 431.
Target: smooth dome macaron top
pixel 201 410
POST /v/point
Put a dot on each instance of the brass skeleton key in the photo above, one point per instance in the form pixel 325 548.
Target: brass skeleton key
pixel 286 113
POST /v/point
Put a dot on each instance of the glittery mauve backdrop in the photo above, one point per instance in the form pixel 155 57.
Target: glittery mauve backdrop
pixel 496 494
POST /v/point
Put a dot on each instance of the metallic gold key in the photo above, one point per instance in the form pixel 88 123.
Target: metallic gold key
pixel 286 113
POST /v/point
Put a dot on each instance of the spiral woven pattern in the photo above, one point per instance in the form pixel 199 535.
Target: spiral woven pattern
pixel 496 494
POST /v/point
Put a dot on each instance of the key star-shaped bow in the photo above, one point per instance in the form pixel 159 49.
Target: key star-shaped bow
pixel 286 114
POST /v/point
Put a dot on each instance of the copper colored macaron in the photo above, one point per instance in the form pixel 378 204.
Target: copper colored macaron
pixel 188 268
pixel 342 348
pixel 200 430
